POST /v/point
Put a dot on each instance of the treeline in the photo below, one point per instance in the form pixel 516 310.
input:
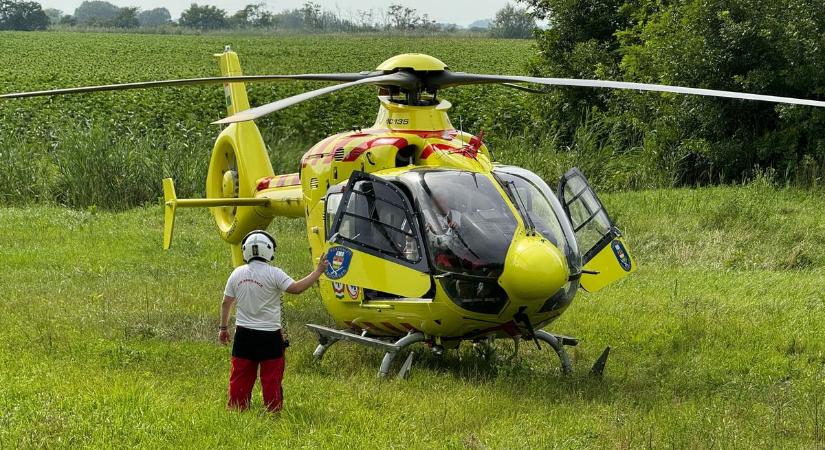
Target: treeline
pixel 509 22
pixel 767 47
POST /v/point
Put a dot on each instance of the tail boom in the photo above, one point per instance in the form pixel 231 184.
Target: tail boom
pixel 285 201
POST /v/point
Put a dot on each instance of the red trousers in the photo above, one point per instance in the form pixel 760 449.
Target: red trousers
pixel 242 380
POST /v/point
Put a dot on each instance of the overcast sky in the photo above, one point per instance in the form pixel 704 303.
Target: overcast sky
pixel 462 12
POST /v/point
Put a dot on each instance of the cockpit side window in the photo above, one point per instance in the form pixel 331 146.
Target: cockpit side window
pixel 543 208
pixel 377 218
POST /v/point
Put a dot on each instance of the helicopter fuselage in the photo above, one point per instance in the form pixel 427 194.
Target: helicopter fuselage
pixel 424 233
pixel 405 143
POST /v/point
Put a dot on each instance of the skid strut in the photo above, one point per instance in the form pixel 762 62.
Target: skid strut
pixel 329 336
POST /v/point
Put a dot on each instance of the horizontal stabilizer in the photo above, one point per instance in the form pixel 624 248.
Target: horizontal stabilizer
pixel 170 200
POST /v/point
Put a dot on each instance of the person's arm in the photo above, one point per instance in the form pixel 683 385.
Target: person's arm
pixel 226 306
pixel 304 283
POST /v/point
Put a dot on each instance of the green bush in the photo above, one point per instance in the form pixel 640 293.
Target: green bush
pixel 754 46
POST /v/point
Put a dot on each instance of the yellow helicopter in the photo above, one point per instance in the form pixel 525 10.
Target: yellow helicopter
pixel 428 239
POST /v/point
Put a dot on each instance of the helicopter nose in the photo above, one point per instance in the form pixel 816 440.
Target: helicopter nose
pixel 534 269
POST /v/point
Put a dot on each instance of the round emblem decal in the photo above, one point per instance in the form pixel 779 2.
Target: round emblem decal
pixel 338 288
pixel 621 254
pixel 339 259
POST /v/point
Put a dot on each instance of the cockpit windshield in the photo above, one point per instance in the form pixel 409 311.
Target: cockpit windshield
pixel 467 224
pixel 540 209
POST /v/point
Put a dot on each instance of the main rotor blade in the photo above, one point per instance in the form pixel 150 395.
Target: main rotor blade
pixel 339 77
pixel 395 79
pixel 525 88
pixel 449 79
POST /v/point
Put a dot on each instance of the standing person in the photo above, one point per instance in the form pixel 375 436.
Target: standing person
pixel 257 288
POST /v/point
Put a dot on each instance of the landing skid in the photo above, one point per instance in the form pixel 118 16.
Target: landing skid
pixel 329 336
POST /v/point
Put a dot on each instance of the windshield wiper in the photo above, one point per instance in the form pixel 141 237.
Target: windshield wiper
pixel 529 224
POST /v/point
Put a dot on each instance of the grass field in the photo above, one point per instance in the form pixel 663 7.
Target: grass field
pixel 109 342
pixel 718 341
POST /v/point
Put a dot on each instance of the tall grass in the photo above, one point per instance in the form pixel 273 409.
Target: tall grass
pixel 84 167
pixel 609 163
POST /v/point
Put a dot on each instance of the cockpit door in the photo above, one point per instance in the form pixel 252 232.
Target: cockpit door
pixel 375 241
pixel 605 258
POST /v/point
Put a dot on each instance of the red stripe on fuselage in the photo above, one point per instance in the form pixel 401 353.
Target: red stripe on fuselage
pixel 326 149
pixel 447 135
pixel 372 326
pixel 431 148
pixel 397 142
pixel 319 147
pixel 336 145
pixel 291 179
pixel 392 327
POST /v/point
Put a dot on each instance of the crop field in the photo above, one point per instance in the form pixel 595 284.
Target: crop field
pixel 57 147
pixel 108 341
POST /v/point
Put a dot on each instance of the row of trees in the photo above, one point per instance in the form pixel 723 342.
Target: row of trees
pixel 104 14
pixel 22 15
pixel 311 16
pixel 774 47
pixel 510 21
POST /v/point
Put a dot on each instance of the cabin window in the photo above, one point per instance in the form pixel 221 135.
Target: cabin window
pixel 538 204
pixel 590 221
pixel 377 218
pixel 468 225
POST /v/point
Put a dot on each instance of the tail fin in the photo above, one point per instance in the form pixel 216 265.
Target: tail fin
pixel 230 65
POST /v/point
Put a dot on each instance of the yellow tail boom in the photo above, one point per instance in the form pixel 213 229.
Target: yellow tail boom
pixel 172 202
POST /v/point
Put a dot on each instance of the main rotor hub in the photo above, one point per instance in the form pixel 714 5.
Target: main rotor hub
pixel 417 62
pixel 420 68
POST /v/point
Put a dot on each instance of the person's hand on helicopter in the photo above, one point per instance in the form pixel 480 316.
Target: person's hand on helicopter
pixel 322 264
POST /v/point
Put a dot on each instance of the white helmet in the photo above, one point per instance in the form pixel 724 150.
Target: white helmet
pixel 258 244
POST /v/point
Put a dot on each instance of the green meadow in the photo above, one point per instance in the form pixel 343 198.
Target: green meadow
pixel 717 341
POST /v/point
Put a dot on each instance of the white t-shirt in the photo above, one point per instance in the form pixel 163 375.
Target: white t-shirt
pixel 257 288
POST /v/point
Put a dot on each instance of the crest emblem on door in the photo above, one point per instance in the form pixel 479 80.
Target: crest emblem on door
pixel 621 254
pixel 339 259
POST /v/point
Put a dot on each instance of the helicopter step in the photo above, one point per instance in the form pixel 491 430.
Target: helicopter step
pixel 329 336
